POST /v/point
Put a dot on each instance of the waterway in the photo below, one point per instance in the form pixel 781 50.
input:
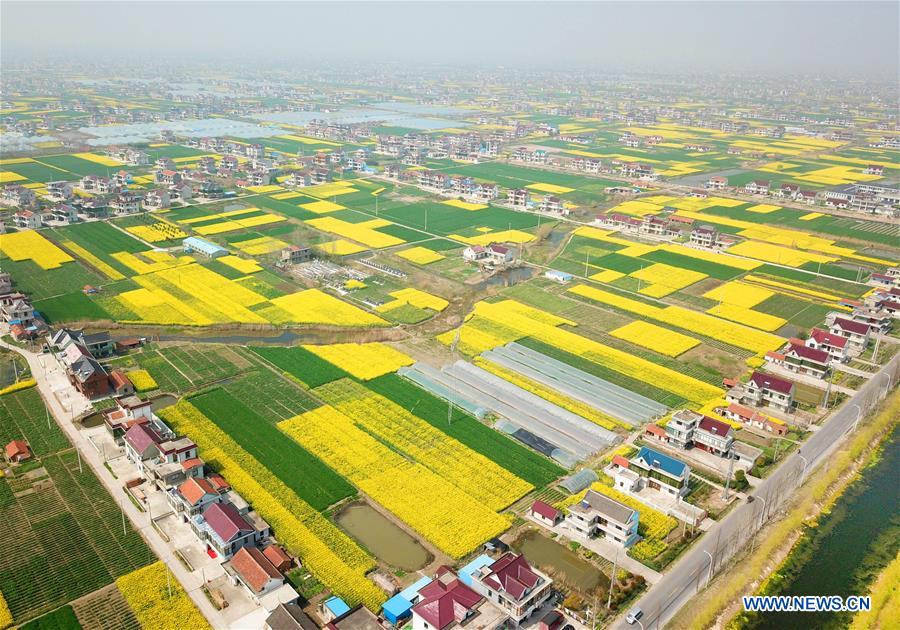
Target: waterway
pixel 560 560
pixel 848 547
pixel 383 538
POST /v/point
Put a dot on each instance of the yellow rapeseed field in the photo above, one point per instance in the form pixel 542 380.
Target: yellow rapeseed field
pixel 30 245
pixel 322 206
pixel 365 361
pixel 428 502
pixel 260 246
pixel 747 316
pixel 315 307
pixel 7 177
pixel 416 297
pixel 340 247
pixel 689 320
pixel 464 205
pixel 98 159
pixel 364 232
pixel 666 279
pixel 420 255
pixel 505 236
pixel 739 294
pixel 244 265
pixel 553 189
pixel 656 338
pixel 147 592
pixel 238 224
pixel 107 270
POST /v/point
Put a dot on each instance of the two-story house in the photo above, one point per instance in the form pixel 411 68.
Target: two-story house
pixel 513 585
pixel 662 473
pixel 599 515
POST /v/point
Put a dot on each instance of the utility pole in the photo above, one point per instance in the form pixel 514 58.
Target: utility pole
pixel 587 256
pixel 730 470
pixel 874 351
pixel 124 530
pixel 612 580
pixel 828 389
pixel 80 469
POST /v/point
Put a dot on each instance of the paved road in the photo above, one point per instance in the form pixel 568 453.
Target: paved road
pixel 709 555
pixel 44 369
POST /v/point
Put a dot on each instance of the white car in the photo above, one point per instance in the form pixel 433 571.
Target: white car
pixel 633 615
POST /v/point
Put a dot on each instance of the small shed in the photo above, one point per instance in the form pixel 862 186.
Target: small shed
pixel 17 451
pixel 396 609
pixel 334 607
pixel 545 513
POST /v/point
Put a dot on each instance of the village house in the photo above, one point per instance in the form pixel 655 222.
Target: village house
pixel 289 617
pixel 553 205
pixel 598 515
pixel 717 182
pixel 757 187
pixel 193 495
pixel 764 389
pixel 126 202
pixel 89 377
pixel 129 410
pixel 16 308
pixel 248 566
pixel 294 255
pixel 704 236
pixel 751 417
pixel 660 472
pixel 17 196
pixel 60 191
pixel 225 529
pixel 513 585
pixel 836 346
pixel 28 220
pixel 64 213
pixel 803 359
pixel 518 198
pixel 156 200
pixel 856 333
pixel 687 429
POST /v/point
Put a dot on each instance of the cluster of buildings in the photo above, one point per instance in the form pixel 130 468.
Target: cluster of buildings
pixel 491 255
pixel 18 313
pixel 869 197
pixel 79 353
pixel 231 532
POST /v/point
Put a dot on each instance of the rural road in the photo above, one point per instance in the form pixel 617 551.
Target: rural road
pixel 44 369
pixel 693 571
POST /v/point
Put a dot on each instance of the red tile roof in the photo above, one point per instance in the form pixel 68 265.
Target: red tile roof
pixel 226 521
pixel 620 461
pixel 195 489
pixel 851 326
pixel 141 437
pixel 547 511
pixel 654 429
pixel 277 556
pixel 442 604
pixel 828 339
pixel 254 568
pixel 17 448
pixel 767 381
pixel 716 427
pixel 512 573
pixel 810 354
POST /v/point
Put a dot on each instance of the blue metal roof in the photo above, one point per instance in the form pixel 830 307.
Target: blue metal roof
pixel 410 592
pixel 465 573
pixel 659 460
pixel 202 245
pixel 396 607
pixel 337 606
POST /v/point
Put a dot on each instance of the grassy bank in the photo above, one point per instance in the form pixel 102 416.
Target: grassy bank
pixel 776 541
pixel 885 594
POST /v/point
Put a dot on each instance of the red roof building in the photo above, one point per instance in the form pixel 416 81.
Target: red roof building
pixel 545 512
pixel 17 451
pixel 446 601
pixel 255 571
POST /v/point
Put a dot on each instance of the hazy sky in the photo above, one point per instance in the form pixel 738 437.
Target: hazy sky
pixel 830 38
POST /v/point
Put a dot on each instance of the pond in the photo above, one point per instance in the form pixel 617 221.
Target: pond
pixel 560 561
pixel 383 538
pixel 507 277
